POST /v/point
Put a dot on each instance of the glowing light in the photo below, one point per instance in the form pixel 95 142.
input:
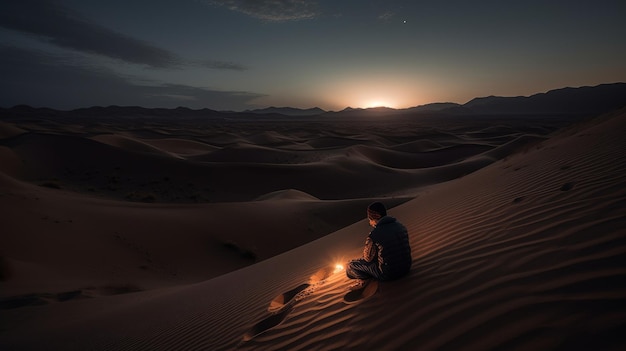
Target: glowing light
pixel 377 103
pixel 338 268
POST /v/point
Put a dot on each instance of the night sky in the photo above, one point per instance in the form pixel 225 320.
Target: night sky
pixel 238 55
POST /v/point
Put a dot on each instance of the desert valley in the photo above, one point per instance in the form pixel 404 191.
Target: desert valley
pixel 126 228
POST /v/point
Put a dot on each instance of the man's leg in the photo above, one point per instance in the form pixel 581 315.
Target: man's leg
pixel 361 269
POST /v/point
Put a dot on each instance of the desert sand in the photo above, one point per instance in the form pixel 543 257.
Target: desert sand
pixel 148 234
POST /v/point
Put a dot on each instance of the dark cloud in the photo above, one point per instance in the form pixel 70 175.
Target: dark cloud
pixel 273 10
pixel 63 82
pixel 212 64
pixel 59 25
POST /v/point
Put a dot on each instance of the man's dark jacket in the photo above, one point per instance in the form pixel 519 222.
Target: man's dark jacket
pixel 389 244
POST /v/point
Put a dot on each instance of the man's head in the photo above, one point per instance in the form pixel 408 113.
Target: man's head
pixel 376 211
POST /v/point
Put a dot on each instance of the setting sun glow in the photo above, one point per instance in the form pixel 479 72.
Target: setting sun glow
pixel 377 103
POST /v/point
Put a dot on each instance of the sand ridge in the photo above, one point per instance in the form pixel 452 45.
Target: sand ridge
pixel 221 162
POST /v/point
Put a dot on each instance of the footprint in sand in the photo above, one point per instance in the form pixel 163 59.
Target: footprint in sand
pixel 361 294
pixel 284 303
pixel 267 324
pixel 285 298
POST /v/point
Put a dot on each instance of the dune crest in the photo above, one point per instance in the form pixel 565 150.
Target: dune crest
pixel 8 130
pixel 129 144
pixel 288 194
pixel 180 147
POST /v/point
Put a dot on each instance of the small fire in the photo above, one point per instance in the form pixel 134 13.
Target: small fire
pixel 338 268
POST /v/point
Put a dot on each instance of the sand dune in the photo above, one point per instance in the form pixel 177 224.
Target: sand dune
pixel 157 170
pixel 88 244
pixel 10 162
pixel 181 147
pixel 518 243
pixel 289 194
pixel 244 152
pixel 423 145
pixel 413 160
pixel 8 130
pixel 129 144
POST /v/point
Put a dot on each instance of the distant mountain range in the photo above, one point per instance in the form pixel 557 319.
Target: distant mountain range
pixel 584 100
pixel 576 101
pixel 289 111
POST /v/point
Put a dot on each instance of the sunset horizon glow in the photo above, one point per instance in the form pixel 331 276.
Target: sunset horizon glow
pixel 238 55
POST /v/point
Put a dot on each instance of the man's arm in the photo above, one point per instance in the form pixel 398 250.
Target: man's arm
pixel 370 250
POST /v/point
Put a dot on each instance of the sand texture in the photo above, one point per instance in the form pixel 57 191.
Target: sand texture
pixel 224 235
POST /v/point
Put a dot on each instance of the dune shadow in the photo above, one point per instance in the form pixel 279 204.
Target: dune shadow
pixel 41 299
pixel 361 294
pixel 267 323
pixel 25 300
pixel 285 298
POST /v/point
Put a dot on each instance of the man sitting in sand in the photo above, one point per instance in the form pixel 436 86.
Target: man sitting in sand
pixel 387 252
